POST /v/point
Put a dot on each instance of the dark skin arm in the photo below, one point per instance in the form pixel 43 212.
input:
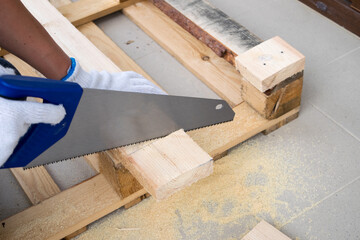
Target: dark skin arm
pixel 22 35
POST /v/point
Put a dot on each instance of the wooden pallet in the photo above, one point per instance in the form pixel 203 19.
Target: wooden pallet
pixel 58 214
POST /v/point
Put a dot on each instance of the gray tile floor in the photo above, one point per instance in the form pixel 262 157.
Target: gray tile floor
pixel 325 139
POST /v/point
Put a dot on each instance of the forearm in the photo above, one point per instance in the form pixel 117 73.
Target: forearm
pixel 22 35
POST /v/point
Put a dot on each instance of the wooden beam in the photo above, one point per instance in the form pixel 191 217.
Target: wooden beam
pixel 339 11
pixel 270 63
pixel 166 165
pixel 37 183
pixel 218 31
pixel 264 231
pixel 84 11
pixel 272 77
pixel 68 37
pixel 66 212
pixel 213 70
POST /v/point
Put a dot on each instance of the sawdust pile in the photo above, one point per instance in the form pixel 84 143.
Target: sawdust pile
pixel 255 181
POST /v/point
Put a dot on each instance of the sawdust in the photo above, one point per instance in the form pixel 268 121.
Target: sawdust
pixel 254 182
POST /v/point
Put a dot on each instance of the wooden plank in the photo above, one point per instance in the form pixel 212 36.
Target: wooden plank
pixel 36 183
pixel 167 165
pixel 273 104
pixel 338 11
pixel 218 31
pixel 68 37
pixel 270 63
pixel 84 11
pixel 216 72
pixel 66 212
pixel 74 234
pixel 264 231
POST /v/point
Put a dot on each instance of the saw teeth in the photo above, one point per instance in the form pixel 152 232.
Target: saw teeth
pixel 86 154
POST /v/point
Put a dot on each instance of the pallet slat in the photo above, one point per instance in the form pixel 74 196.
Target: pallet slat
pixel 213 70
pixel 66 212
pixel 84 11
pixel 36 183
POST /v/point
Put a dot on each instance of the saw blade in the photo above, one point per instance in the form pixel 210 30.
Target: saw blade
pixel 107 119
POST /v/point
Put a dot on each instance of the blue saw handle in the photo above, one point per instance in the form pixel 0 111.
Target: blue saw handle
pixel 40 136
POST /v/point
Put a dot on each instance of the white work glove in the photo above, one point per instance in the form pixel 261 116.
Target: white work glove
pixel 17 116
pixel 122 81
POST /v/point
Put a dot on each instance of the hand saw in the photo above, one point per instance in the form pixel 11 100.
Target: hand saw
pixel 98 120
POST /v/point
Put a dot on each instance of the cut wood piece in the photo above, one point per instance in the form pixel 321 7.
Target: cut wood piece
pixel 214 71
pixel 84 11
pixel 68 37
pixel 270 63
pixel 36 183
pixel 66 212
pixel 264 231
pixel 276 102
pixel 210 25
pixel 168 164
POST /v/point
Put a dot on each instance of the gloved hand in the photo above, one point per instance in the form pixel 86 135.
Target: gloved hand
pixel 17 116
pixel 122 81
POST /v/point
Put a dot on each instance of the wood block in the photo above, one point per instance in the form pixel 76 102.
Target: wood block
pixel 117 175
pixel 168 164
pixel 270 63
pixel 264 231
pixel 276 102
pixel 36 183
pixel 281 123
pixel 218 31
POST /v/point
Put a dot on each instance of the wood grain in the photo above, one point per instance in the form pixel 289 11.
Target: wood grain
pixel 264 231
pixel 68 37
pixel 270 63
pixel 66 212
pixel 277 102
pixel 36 183
pixel 218 31
pixel 84 11
pixel 214 71
pixel 167 165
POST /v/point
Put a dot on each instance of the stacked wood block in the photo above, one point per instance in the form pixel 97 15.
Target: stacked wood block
pixel 162 166
pixel 272 77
